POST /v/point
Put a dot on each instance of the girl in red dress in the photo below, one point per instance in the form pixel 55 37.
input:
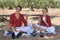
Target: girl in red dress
pixel 44 26
pixel 16 21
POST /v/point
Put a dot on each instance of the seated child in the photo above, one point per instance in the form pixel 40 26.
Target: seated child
pixel 44 27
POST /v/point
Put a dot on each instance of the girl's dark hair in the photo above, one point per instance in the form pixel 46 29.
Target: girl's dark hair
pixel 46 9
pixel 19 7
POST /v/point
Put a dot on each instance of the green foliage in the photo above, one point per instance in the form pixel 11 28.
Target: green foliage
pixel 27 3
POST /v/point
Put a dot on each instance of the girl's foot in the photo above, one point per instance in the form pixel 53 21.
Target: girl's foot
pixel 41 34
pixel 13 35
pixel 20 34
pixel 34 33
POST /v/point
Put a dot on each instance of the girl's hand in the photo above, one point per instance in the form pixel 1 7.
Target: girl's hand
pixel 44 19
pixel 15 29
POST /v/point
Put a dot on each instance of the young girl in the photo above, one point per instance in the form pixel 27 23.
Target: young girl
pixel 16 21
pixel 44 27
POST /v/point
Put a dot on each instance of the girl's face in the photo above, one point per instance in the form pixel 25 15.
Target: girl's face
pixel 17 9
pixel 44 11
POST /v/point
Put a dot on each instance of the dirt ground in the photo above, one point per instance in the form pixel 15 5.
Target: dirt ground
pixel 56 37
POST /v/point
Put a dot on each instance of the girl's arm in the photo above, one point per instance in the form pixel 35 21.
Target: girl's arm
pixel 48 22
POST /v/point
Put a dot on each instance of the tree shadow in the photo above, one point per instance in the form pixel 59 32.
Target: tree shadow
pixel 36 18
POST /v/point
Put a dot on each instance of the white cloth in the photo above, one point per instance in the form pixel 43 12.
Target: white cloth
pixel 5 33
pixel 48 29
pixel 51 29
pixel 44 18
pixel 27 29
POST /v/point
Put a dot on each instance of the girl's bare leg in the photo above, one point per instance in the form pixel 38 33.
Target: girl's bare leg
pixel 37 28
pixel 8 29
